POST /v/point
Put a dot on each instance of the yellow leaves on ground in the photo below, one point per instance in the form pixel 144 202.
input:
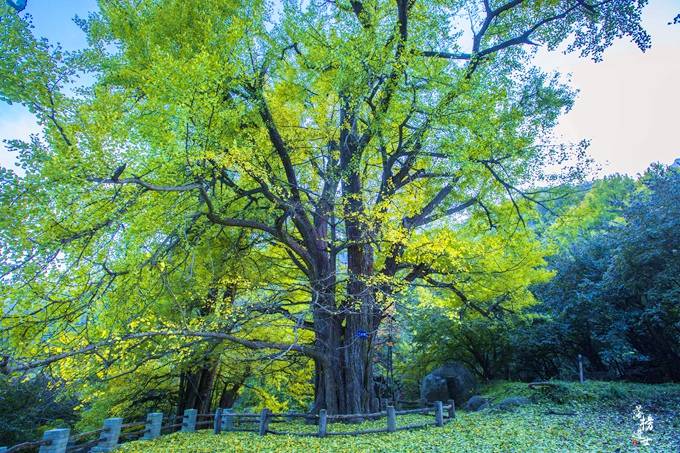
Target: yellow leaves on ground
pixel 597 426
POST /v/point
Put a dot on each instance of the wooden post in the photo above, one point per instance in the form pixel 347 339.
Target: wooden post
pixel 58 441
pixel 452 409
pixel 189 421
pixel 108 439
pixel 323 422
pixel 264 421
pixel 217 423
pixel 391 419
pixel 227 419
pixel 154 421
pixel 580 368
pixel 439 413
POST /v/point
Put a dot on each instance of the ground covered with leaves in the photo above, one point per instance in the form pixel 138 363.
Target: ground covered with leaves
pixel 568 417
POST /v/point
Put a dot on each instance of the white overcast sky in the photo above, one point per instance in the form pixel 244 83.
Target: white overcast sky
pixel 627 106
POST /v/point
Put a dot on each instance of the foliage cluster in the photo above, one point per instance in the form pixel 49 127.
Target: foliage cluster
pixel 613 297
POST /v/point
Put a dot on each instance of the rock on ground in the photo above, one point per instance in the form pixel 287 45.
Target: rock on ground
pixel 476 403
pixel 512 402
pixel 451 381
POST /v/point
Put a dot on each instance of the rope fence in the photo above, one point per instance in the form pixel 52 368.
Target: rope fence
pixel 114 431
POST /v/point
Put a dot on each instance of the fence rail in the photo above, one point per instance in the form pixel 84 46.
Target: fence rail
pixel 115 432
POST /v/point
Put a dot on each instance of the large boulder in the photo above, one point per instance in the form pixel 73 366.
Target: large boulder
pixel 452 381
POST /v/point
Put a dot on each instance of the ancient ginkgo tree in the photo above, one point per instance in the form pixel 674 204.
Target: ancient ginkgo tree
pixel 355 150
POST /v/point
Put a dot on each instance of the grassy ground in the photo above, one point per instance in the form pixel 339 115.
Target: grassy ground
pixel 603 422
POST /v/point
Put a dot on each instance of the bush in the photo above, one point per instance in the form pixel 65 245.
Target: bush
pixel 30 406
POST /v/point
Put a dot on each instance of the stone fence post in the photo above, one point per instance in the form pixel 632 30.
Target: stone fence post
pixel 154 421
pixel 108 439
pixel 58 440
pixel 264 422
pixel 323 422
pixel 189 421
pixel 391 419
pixel 227 419
pixel 217 422
pixel 439 413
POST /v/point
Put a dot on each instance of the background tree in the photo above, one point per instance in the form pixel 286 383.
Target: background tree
pixel 30 405
pixel 613 297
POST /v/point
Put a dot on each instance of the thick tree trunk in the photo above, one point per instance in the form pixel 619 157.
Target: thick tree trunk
pixel 345 332
pixel 344 335
pixel 344 378
pixel 361 325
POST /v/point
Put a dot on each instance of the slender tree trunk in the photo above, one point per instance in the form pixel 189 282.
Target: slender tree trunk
pixel 196 389
pixel 229 394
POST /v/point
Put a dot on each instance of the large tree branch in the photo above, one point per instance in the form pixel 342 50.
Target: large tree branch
pixel 298 214
pixel 524 37
pixel 411 222
pixel 478 53
pixel 461 295
pixel 491 15
pixel 277 233
pixel 95 347
pixel 424 220
pixel 403 8
pixel 212 214
pixel 147 185
pixel 445 55
pixel 280 147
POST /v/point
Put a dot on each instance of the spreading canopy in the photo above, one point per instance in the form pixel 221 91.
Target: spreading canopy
pixel 321 157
